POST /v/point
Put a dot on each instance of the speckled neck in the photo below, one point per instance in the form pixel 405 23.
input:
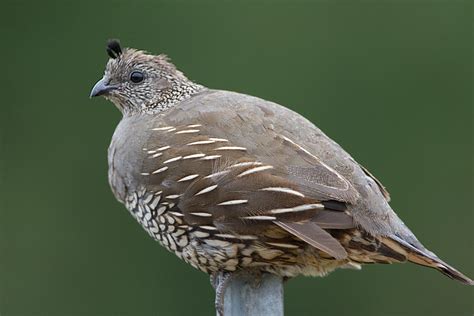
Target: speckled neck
pixel 179 91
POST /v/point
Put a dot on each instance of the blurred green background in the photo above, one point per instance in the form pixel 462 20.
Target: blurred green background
pixel 391 81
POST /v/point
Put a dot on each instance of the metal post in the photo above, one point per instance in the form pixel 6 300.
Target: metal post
pixel 245 296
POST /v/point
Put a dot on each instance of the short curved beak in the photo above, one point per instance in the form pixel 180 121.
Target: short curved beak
pixel 101 87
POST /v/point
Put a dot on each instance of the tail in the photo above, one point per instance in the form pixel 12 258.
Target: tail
pixel 425 258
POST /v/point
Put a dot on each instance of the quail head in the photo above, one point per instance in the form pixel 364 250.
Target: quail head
pixel 230 182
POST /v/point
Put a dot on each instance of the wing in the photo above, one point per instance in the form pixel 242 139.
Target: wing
pixel 298 150
pixel 245 197
pixel 381 187
pixel 218 183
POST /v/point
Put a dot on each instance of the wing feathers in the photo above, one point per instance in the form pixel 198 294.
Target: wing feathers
pixel 333 220
pixel 317 237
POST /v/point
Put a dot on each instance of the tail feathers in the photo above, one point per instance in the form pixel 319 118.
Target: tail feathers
pixel 428 259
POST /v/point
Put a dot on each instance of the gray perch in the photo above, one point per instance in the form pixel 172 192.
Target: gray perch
pixel 243 297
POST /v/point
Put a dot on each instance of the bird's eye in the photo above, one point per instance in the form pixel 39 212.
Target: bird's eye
pixel 137 76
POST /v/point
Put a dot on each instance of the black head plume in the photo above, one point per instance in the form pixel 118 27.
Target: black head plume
pixel 113 48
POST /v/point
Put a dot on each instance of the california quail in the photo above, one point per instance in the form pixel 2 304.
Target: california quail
pixel 228 181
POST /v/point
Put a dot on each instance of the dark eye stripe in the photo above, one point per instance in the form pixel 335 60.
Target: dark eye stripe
pixel 136 76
